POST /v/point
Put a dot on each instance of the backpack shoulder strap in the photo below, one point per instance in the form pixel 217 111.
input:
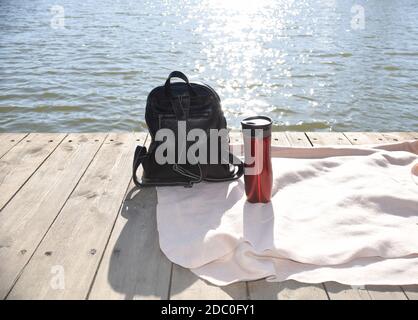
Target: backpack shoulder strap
pixel 139 156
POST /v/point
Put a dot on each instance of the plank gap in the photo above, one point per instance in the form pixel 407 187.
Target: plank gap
pixel 309 139
pixel 170 282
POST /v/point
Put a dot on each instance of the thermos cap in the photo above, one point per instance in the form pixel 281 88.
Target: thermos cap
pixel 257 122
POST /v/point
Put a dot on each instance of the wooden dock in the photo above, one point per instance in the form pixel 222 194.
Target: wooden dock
pixel 72 225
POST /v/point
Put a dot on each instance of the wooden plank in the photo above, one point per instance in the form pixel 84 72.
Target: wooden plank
pixel 21 162
pixel 378 138
pixel 9 140
pixel 26 219
pixel 386 292
pixel 186 285
pixel 134 242
pixel 77 239
pixel 338 291
pixel 399 136
pixel 286 290
pixel 235 137
pixel 327 138
pixel 359 138
pixel 279 139
pixel 298 139
pixel 411 291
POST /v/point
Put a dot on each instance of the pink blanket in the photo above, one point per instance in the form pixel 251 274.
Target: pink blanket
pixel 345 214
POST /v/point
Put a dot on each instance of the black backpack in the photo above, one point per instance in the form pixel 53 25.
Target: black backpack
pixel 198 106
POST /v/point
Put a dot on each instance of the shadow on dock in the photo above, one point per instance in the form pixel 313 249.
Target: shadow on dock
pixel 137 268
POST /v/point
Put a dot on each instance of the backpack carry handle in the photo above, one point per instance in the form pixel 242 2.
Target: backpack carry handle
pixel 180 75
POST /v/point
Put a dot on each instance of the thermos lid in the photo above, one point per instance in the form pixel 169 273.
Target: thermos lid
pixel 257 122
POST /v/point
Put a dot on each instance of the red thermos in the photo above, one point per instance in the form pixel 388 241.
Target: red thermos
pixel 258 174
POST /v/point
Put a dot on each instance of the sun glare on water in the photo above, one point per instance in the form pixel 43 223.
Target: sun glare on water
pixel 238 35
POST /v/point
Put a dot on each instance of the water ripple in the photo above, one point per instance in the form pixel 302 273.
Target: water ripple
pixel 299 62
